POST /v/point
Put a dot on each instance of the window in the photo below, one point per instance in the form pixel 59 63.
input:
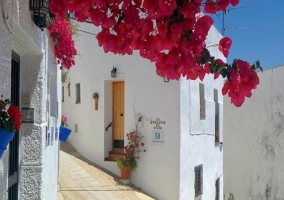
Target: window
pixel 217 117
pixel 76 128
pixel 62 93
pixel 198 182
pixel 68 89
pixel 78 95
pixel 217 187
pixel 202 101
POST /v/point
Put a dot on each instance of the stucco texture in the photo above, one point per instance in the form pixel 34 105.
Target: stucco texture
pixel 254 142
pixel 19 34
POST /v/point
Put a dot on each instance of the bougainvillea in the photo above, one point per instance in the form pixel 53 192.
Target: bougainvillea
pixel 64 46
pixel 170 33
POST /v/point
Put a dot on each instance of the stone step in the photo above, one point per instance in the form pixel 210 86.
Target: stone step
pixel 118 151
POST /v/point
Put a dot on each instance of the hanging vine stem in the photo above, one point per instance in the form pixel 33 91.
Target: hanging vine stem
pixel 5 17
pixel 3 13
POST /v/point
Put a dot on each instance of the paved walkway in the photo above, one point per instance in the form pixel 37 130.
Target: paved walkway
pixel 80 179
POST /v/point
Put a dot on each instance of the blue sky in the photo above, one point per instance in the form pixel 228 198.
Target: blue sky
pixel 263 37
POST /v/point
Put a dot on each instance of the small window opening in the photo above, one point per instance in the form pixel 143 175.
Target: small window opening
pixel 202 101
pixel 217 187
pixel 198 182
pixel 68 89
pixel 76 128
pixel 78 93
pixel 217 117
pixel 62 91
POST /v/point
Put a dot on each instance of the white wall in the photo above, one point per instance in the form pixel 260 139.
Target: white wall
pixel 254 141
pixel 36 162
pixel 165 171
pixel 198 136
pixel 153 99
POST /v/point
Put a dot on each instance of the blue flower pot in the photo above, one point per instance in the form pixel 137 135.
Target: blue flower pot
pixel 64 133
pixel 5 138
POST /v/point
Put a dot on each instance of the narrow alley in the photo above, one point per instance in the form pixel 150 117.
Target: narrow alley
pixel 79 179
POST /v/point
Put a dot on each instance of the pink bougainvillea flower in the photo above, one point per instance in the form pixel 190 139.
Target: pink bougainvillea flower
pixel 211 7
pixel 167 6
pixel 204 23
pixel 142 144
pixel 169 33
pixel 234 2
pixel 224 45
pixel 242 80
pixel 223 4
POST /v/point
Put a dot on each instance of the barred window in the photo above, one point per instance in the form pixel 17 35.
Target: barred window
pixel 78 93
pixel 198 183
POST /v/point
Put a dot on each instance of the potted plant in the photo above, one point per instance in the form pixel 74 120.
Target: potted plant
pixel 10 122
pixel 131 154
pixel 64 132
pixel 96 98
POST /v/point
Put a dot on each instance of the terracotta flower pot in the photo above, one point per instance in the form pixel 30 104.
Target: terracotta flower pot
pixel 96 103
pixel 125 173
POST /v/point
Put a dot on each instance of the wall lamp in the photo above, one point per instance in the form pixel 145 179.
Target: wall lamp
pixel 113 72
pixel 39 8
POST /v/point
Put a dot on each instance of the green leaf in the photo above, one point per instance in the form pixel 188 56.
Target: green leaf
pixel 224 73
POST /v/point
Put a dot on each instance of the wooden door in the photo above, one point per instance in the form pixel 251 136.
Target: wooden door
pixel 118 114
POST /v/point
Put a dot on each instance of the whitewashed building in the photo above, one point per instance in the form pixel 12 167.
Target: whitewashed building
pixel 185 161
pixel 254 141
pixel 29 77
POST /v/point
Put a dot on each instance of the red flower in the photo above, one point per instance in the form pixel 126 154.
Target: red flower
pixel 224 45
pixel 15 114
pixel 242 81
pixel 211 7
pixel 142 144
pixel 234 2
pixel 167 6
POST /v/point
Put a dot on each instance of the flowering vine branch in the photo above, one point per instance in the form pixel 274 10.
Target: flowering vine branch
pixel 64 46
pixel 170 33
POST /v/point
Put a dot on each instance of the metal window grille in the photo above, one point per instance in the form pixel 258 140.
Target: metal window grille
pixel 217 187
pixel 198 183
pixel 78 93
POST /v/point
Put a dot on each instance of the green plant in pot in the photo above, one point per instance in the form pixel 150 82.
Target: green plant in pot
pixel 131 154
pixel 96 98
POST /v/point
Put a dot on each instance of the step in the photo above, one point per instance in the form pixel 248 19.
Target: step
pixel 118 151
pixel 113 157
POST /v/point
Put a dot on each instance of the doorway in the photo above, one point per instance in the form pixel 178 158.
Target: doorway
pixel 118 114
pixel 14 144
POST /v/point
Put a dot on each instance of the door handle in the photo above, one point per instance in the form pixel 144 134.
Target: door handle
pixel 121 114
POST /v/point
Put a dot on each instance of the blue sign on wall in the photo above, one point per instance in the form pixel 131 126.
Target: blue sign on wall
pixel 158 136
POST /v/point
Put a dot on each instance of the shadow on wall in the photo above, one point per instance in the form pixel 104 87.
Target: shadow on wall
pixel 231 197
